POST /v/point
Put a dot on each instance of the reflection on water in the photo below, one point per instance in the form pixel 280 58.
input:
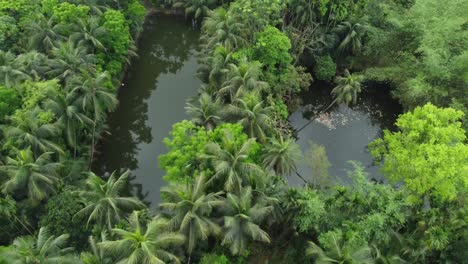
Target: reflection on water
pixel 344 131
pixel 151 100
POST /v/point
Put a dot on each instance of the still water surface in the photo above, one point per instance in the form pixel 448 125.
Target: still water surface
pixel 151 100
pixel 162 78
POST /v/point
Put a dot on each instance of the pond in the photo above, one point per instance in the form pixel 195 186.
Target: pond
pixel 152 99
pixel 162 78
pixel 344 131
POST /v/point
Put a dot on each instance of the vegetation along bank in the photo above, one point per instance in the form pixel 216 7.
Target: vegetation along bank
pixel 226 199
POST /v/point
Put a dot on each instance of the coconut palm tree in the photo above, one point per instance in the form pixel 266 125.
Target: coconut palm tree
pixel 348 87
pixel 10 73
pixel 33 177
pixel 242 78
pixel 347 90
pixel 220 27
pixel 232 164
pixel 143 245
pixel 45 249
pixel 340 252
pixel 190 207
pixel 93 95
pixel 302 12
pixel 104 204
pixel 69 117
pixel 196 8
pixel 44 33
pixel 282 155
pixel 69 60
pixel 88 34
pixel 97 254
pixel 213 69
pixel 349 35
pixel 33 63
pixel 242 221
pixel 204 111
pixel 250 113
pixel 26 129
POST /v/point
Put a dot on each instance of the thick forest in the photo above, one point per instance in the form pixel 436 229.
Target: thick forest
pixel 227 198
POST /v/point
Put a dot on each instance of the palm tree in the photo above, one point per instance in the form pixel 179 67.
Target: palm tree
pixel 241 79
pixel 242 222
pixel 222 28
pixel 213 69
pixel 10 74
pixel 88 32
pixel 104 204
pixel 232 164
pixel 303 12
pixel 340 252
pixel 190 208
pixel 33 63
pixel 348 87
pixel 33 177
pixel 45 249
pixel 143 245
pixel 205 111
pixel 251 114
pixel 97 254
pixel 26 129
pixel 44 33
pixel 349 37
pixel 282 155
pixel 69 60
pixel 93 96
pixel 347 90
pixel 198 8
pixel 69 117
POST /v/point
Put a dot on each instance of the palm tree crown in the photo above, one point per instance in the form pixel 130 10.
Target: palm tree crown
pixel 348 87
pixel 143 245
pixel 190 208
pixel 104 204
pixel 282 155
pixel 205 111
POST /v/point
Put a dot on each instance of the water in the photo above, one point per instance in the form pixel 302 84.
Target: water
pixel 163 77
pixel 345 132
pixel 151 100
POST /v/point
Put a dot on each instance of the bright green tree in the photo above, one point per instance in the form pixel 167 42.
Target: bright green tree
pixel 429 153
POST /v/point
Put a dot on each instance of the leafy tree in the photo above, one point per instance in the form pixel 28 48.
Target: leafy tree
pixel 325 69
pixel 44 249
pixel 190 209
pixel 242 220
pixel 428 153
pixel 8 32
pixel 140 244
pixel 68 13
pixel 205 111
pixel 135 13
pixel 272 48
pixel 104 203
pixel 9 102
pixel 316 157
pixel 32 177
pixel 281 155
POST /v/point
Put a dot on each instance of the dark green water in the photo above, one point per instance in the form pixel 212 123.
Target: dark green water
pixel 163 78
pixel 151 100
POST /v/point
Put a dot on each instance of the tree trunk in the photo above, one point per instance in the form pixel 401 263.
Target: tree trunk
pixel 302 178
pixel 92 145
pixel 315 116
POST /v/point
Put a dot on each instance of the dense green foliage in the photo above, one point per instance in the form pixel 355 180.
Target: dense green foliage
pixel 227 199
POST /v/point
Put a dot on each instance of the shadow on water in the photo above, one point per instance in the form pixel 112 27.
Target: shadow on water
pixel 344 131
pixel 152 99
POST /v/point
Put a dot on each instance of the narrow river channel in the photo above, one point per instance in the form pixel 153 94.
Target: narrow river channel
pixel 162 78
pixel 151 100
